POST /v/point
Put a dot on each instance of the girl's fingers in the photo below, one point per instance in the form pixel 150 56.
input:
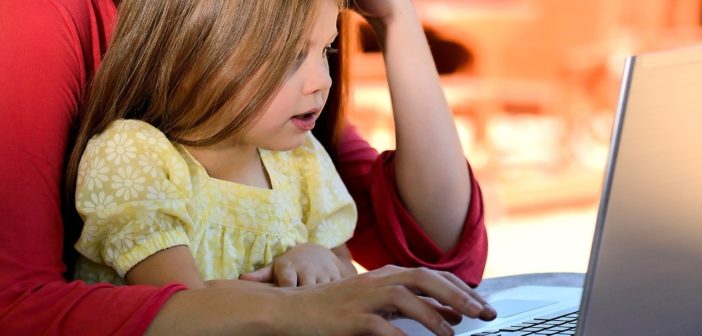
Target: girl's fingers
pixel 323 280
pixel 305 279
pixel 264 274
pixel 285 276
pixel 335 274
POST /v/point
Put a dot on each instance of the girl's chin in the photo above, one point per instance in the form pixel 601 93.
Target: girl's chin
pixel 286 144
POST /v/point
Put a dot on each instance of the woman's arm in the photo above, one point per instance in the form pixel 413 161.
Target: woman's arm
pixel 431 173
pixel 352 306
pixel 252 308
pixel 43 69
pixel 387 233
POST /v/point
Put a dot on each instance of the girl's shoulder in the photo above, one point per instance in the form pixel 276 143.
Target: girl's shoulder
pixel 132 131
pixel 134 151
pixel 131 128
pixel 129 136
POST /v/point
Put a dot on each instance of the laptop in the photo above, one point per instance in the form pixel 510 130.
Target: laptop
pixel 645 271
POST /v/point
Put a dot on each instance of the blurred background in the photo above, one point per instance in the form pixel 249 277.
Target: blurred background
pixel 533 85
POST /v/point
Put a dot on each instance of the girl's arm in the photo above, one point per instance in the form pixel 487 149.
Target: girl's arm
pixel 177 265
pixel 172 265
pixel 431 175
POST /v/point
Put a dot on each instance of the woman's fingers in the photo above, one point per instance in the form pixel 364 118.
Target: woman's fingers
pixel 488 313
pixel 430 283
pixel 449 314
pixel 375 325
pixel 362 300
pixel 399 299
pixel 462 285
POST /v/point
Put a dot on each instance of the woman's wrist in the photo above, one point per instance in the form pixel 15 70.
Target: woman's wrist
pixel 220 311
pixel 289 313
pixel 399 18
pixel 385 13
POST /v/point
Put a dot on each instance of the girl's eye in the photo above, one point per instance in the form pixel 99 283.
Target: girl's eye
pixel 299 59
pixel 329 50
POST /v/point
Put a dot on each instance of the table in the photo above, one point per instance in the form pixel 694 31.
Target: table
pixel 491 285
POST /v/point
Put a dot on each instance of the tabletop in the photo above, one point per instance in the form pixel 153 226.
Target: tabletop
pixel 491 285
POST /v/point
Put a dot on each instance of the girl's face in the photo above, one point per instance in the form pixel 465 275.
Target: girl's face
pixel 299 101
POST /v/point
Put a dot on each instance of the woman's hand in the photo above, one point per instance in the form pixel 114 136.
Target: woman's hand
pixel 302 265
pixel 377 10
pixel 355 306
pixel 351 306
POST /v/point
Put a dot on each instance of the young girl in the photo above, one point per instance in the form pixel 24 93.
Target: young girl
pixel 196 160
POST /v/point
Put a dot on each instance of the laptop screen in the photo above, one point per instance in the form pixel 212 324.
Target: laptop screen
pixel 644 276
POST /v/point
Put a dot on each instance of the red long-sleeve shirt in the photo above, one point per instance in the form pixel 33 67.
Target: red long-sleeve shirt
pixel 49 49
pixel 386 233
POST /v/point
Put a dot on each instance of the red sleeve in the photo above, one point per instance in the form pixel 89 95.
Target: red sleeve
pixel 387 233
pixel 48 49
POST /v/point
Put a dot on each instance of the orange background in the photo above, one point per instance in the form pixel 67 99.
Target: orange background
pixel 533 85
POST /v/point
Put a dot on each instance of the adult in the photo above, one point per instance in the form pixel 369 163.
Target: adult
pixel 49 51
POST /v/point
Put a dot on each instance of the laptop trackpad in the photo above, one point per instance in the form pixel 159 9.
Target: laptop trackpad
pixel 510 307
pixel 504 307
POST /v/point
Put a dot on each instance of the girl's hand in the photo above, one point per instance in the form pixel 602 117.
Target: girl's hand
pixel 302 265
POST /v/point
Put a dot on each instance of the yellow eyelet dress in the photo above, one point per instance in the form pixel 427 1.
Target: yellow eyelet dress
pixel 138 194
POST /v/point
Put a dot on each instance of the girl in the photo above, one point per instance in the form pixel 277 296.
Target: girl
pixel 196 160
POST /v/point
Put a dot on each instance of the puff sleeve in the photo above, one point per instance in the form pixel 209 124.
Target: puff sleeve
pixel 331 212
pixel 133 194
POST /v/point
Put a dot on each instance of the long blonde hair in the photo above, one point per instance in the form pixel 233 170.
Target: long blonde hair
pixel 176 64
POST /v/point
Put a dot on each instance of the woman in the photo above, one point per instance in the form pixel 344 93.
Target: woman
pixel 56 45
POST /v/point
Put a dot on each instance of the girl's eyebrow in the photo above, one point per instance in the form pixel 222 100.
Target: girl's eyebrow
pixel 333 37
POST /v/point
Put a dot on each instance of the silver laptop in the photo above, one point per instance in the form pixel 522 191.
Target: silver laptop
pixel 645 270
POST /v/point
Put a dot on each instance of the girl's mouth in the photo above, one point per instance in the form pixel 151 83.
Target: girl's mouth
pixel 304 121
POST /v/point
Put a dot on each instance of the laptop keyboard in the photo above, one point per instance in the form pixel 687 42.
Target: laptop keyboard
pixel 558 324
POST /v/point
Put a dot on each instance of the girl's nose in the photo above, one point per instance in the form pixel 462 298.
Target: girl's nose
pixel 318 79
